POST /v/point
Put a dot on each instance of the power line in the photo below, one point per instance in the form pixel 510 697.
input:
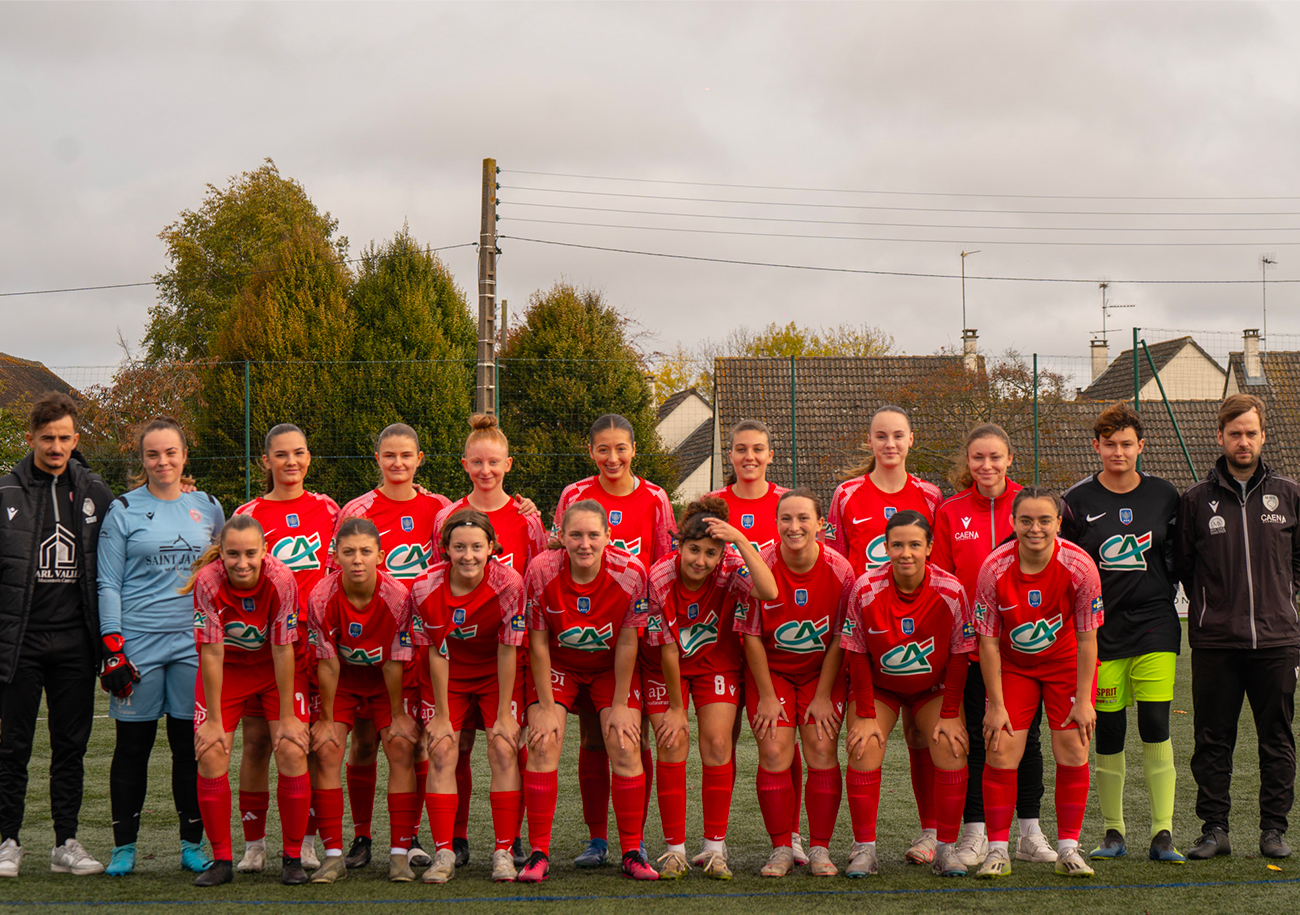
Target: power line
pixel 354 260
pixel 907 225
pixel 856 270
pixel 943 241
pixel 840 190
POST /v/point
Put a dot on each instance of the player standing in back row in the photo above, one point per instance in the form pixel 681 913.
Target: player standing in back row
pixel 1125 521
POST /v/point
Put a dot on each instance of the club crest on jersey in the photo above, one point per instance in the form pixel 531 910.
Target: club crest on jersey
pixel 1126 516
pixel 695 637
pixel 802 636
pixel 196 516
pixel 584 605
pixel 909 659
pixel 1270 503
pixel 692 612
pixel 244 635
pixel 354 630
pixel 1035 598
pixel 1036 636
pixel 586 638
pixel 292 519
pixel 746 521
pixel 801 596
pixel 408 523
pixel 298 552
pixel 458 615
pixel 615 516
pixel 249 604
pixel 88 507
pixel 1125 552
pixel 890 511
pixel 909 625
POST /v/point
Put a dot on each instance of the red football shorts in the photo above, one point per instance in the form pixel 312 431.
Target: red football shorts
pixel 249 690
pixel 1023 687
pixel 701 689
pixel 795 695
pixel 571 688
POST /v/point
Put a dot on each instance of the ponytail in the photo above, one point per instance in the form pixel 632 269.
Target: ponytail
pixel 865 467
pixel 213 551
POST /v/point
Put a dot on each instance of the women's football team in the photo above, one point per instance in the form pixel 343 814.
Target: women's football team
pixel 407 622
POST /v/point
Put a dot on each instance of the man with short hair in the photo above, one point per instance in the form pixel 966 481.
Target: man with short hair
pixel 51 507
pixel 1126 521
pixel 1239 561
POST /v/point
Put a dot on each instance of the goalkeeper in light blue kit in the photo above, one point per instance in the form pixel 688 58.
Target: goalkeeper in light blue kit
pixel 150 538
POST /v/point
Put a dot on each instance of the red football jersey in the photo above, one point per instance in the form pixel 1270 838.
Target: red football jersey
pixel 755 517
pixel 405 529
pixel 641 523
pixel 855 524
pixel 299 533
pixel 467 629
pixel 521 538
pixel 967 528
pixel 908 637
pixel 379 632
pixel 701 621
pixel 1036 616
pixel 244 620
pixel 797 628
pixel 584 620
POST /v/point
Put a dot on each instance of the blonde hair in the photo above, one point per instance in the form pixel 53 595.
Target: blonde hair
pixel 869 464
pixel 484 427
pixel 213 551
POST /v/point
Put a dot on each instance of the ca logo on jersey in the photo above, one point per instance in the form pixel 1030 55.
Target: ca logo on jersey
pixel 244 635
pixel 633 546
pixel 909 659
pixel 654 624
pixel 802 636
pixel 696 636
pixel 877 555
pixel 1125 552
pixel 198 619
pixel 361 657
pixel 464 632
pixel 298 553
pixel 407 561
pixel 587 638
pixel 1036 637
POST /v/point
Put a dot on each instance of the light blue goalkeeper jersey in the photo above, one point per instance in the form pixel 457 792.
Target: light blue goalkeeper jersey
pixel 146 548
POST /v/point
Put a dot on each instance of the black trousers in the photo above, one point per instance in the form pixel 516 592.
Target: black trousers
pixel 62 665
pixel 1221 678
pixel 1029 780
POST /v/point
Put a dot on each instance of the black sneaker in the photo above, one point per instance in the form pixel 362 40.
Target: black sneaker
pixel 218 873
pixel 517 851
pixel 1272 845
pixel 461 848
pixel 1214 841
pixel 359 854
pixel 291 872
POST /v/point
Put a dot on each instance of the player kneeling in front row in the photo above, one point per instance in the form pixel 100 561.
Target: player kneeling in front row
pixel 908 636
pixel 360 619
pixel 1037 609
pixel 245 624
pixel 471 613
pixel 586 607
pixel 693 595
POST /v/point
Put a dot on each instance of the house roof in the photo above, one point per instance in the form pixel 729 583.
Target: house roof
pixel 1280 391
pixel 694 450
pixel 1116 383
pixel 675 400
pixel 23 381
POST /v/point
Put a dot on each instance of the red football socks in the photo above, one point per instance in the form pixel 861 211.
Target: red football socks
pixel 421 789
pixel 949 801
pixel 1071 800
pixel 403 814
pixel 672 801
pixel 464 789
pixel 253 806
pixel 593 785
pixel 775 798
pixel 523 766
pixel 540 791
pixel 647 769
pixel 864 803
pixel 628 793
pixel 442 818
pixel 824 791
pixel 796 781
pixel 716 790
pixel 214 807
pixel 328 806
pixel 999 801
pixel 293 796
pixel 361 797
pixel 507 808
pixel 922 769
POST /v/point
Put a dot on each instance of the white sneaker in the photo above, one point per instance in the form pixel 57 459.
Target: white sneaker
pixel 1035 848
pixel 309 860
pixel 705 855
pixel 11 855
pixel 972 848
pixel 923 849
pixel 71 858
pixel 796 848
pixel 254 860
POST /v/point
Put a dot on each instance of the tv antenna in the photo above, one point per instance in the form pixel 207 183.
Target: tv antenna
pixel 1106 307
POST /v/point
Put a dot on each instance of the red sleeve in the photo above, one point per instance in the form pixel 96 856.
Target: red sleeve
pixel 954 684
pixel 863 695
pixel 834 537
pixel 941 555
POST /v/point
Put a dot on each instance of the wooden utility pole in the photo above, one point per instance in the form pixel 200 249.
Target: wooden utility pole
pixel 485 377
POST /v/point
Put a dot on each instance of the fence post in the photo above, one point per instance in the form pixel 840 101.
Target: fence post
pixel 248 437
pixel 1035 419
pixel 1169 409
pixel 1137 390
pixel 794 433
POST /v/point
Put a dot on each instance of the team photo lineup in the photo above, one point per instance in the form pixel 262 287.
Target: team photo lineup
pixel 406 623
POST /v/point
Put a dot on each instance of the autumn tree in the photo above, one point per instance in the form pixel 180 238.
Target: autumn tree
pixel 567 363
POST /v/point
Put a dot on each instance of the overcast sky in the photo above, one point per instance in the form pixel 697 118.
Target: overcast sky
pixel 115 117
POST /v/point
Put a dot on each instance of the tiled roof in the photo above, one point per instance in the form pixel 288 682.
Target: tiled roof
pixel 22 381
pixel 694 451
pixel 1116 383
pixel 1281 395
pixel 666 408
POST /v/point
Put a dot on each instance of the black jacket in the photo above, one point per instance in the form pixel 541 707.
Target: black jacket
pixel 23 503
pixel 1239 560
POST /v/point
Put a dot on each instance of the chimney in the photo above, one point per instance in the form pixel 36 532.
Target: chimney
pixel 970 349
pixel 1254 367
pixel 1100 357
